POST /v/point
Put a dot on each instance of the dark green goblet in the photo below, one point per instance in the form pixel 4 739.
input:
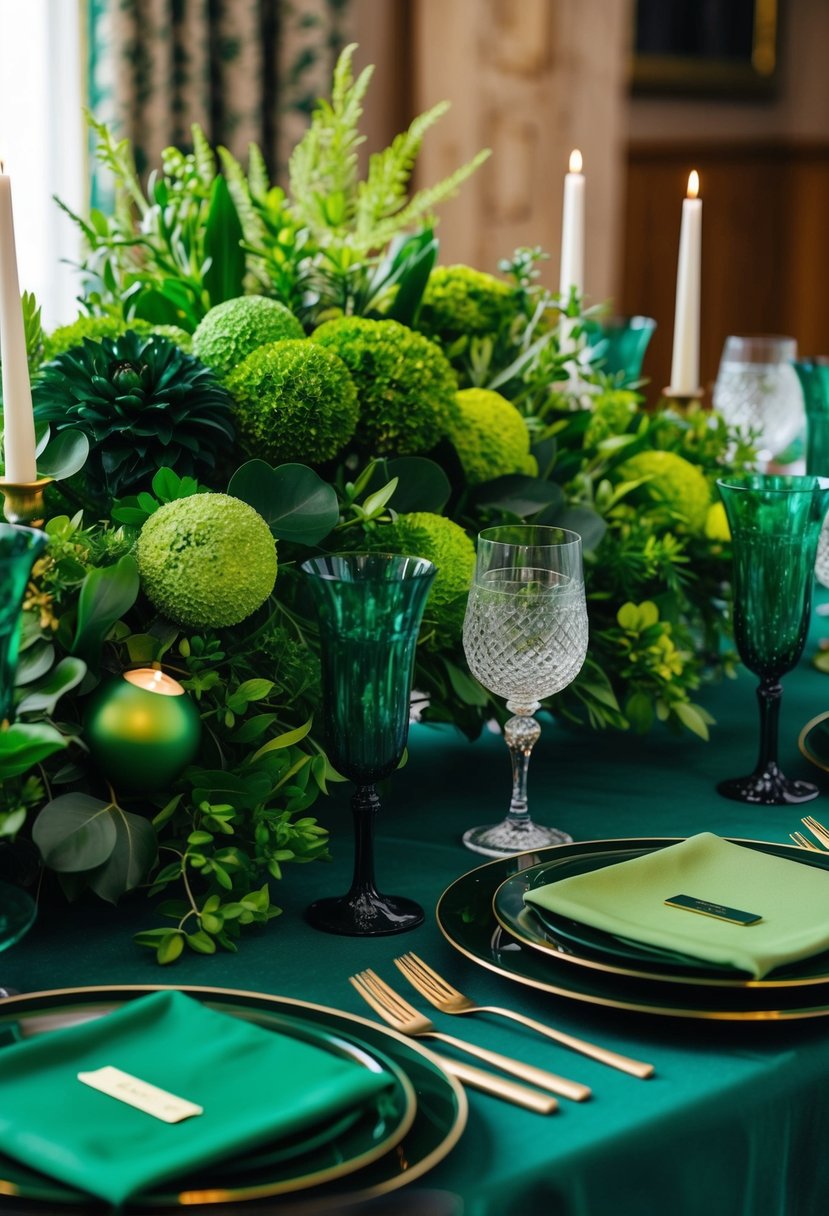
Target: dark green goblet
pixel 369 606
pixel 775 523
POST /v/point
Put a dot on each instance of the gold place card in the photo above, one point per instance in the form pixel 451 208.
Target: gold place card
pixel 140 1094
pixel 734 916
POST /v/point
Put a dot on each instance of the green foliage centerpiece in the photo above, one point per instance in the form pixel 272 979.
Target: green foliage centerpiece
pixel 261 376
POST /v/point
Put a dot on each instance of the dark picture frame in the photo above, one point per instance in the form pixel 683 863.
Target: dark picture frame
pixel 705 48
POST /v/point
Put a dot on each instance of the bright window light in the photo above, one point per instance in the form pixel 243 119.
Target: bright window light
pixel 42 145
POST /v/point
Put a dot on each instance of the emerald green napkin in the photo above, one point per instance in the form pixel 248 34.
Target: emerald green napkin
pixel 255 1085
pixel 628 900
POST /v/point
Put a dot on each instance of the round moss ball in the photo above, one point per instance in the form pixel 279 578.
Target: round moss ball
pixel 674 483
pixel 459 300
pixel 229 332
pixel 443 542
pixel 490 436
pixel 67 337
pixel 206 561
pixel 405 385
pixel 294 401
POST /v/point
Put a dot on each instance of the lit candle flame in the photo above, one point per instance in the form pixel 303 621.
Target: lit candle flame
pixel 153 680
pixel 575 161
pixel 693 184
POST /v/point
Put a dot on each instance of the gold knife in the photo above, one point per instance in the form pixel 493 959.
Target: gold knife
pixel 499 1087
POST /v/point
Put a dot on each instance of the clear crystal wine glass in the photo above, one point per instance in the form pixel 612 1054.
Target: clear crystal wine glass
pixel 757 391
pixel 525 637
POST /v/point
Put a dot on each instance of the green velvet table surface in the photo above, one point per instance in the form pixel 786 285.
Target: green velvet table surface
pixel 733 1121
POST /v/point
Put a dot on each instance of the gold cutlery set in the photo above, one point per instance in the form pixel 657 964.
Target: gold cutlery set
pixel 398 1013
pixel 819 832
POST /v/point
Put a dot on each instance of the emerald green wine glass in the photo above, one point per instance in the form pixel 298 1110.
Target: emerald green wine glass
pixel 369 607
pixel 19 548
pixel 618 344
pixel 775 522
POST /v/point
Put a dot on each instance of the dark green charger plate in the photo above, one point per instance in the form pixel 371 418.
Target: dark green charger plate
pixel 384 1149
pixel 466 918
pixel 584 946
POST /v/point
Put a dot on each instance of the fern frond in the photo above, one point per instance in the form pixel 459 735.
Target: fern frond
pixel 322 168
pixel 241 193
pixel 203 156
pixel 258 177
pixel 422 203
pixel 118 158
pixel 384 191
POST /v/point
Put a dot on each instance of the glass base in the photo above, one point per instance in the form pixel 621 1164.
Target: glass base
pixel 768 789
pixel 365 914
pixel 503 839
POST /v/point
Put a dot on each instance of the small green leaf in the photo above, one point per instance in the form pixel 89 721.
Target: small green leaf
pixel 170 948
pixel 43 696
pixel 64 455
pixel 201 942
pixel 287 740
pixel 375 503
pixel 106 594
pixel 24 745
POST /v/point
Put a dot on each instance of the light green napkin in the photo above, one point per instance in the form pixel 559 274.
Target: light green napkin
pixel 627 899
pixel 255 1085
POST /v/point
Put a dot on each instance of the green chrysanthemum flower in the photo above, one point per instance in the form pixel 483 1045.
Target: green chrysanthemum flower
pixel 231 331
pixel 294 401
pixel 459 300
pixel 206 561
pixel 443 542
pixel 143 403
pixel 674 483
pixel 405 385
pixel 490 436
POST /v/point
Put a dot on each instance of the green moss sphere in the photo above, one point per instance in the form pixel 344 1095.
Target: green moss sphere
pixel 490 436
pixel 460 300
pixel 294 401
pixel 443 542
pixel 674 483
pixel 232 330
pixel 405 385
pixel 206 561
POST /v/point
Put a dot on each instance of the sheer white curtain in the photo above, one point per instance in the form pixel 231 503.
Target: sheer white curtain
pixel 42 143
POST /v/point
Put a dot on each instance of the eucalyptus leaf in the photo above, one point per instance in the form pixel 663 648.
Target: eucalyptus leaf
pixel 519 494
pixel 294 500
pixel 130 860
pixel 24 744
pixel 75 832
pixel 422 485
pixel 64 455
pixel 106 594
pixel 43 696
pixel 34 662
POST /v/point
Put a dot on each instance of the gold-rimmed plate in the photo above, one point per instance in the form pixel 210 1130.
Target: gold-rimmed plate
pixel 426 1129
pixel 466 919
pixel 583 946
pixel 813 741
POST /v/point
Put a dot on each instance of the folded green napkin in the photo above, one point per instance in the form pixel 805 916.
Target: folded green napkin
pixel 627 899
pixel 255 1086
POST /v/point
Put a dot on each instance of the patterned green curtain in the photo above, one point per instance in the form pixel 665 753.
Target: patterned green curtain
pixel 245 70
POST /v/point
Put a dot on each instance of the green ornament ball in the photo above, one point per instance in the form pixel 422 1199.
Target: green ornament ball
pixel 140 740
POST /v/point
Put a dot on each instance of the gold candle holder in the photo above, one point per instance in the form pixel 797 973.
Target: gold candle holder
pixel 24 500
pixel 680 403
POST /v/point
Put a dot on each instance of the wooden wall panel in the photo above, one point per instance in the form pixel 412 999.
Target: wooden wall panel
pixel 765 262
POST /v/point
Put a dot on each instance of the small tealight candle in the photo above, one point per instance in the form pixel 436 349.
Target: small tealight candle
pixel 142 730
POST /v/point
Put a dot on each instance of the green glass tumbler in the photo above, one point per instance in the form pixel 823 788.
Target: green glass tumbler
pixel 19 548
pixel 814 380
pixel 775 522
pixel 369 607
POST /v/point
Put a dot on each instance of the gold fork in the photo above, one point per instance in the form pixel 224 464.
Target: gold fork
pixel 804 842
pixel 817 829
pixel 443 996
pixel 406 1019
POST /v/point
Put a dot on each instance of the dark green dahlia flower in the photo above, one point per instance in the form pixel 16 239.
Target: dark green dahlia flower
pixel 143 403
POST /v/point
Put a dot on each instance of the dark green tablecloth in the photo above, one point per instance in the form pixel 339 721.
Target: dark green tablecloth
pixel 733 1122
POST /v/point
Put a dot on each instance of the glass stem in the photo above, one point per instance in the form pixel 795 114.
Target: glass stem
pixel 769 693
pixel 521 732
pixel 364 807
